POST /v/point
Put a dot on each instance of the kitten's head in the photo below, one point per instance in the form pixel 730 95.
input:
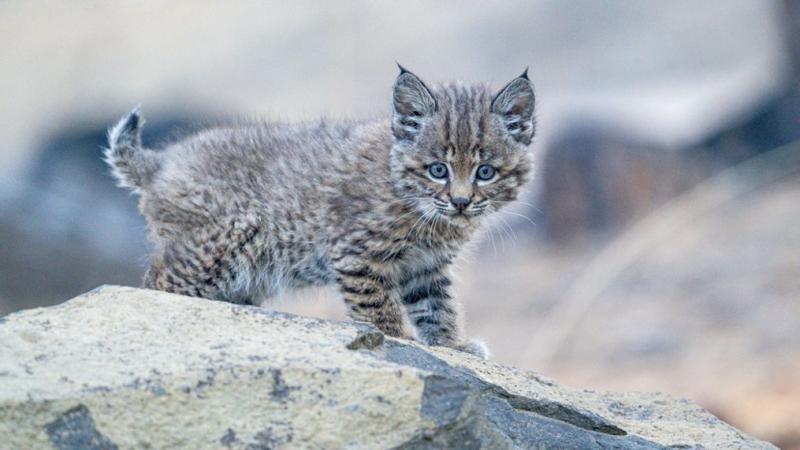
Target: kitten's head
pixel 461 151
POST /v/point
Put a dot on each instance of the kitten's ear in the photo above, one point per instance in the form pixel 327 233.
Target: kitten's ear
pixel 514 104
pixel 413 104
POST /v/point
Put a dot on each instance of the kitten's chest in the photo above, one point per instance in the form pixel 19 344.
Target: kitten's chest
pixel 437 241
pixel 420 258
pixel 426 248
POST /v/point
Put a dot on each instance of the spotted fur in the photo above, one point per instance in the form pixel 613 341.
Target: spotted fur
pixel 241 212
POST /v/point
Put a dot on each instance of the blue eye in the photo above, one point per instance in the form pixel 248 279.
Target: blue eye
pixel 438 170
pixel 485 172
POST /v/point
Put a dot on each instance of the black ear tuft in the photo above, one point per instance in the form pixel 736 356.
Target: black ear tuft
pixel 515 105
pixel 413 105
pixel 402 69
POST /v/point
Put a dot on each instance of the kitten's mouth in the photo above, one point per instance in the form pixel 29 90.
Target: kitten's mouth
pixel 460 216
pixel 457 216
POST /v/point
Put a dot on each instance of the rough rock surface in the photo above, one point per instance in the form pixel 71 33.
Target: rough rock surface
pixel 128 368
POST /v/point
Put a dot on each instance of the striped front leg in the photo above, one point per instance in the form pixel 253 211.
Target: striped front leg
pixel 427 297
pixel 369 296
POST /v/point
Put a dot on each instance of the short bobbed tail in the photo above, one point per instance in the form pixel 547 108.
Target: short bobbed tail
pixel 132 165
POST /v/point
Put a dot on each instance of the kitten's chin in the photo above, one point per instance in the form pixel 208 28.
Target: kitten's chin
pixel 463 220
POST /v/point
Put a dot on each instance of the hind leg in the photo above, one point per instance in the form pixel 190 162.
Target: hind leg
pixel 209 271
pixel 183 276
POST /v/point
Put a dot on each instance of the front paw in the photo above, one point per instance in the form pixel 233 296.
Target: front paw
pixel 475 347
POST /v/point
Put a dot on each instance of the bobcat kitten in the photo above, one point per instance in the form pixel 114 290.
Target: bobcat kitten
pixel 380 208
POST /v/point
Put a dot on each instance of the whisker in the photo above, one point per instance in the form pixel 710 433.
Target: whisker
pixel 521 203
pixel 518 215
pixel 508 229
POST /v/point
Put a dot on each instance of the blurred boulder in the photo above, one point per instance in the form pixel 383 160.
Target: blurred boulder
pixel 596 177
pixel 775 122
pixel 65 226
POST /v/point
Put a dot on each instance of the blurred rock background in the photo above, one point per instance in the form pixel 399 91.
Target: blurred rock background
pixel 658 248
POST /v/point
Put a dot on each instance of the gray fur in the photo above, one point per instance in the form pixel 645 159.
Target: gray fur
pixel 132 165
pixel 241 212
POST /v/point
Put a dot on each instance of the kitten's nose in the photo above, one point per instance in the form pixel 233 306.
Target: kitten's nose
pixel 460 203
